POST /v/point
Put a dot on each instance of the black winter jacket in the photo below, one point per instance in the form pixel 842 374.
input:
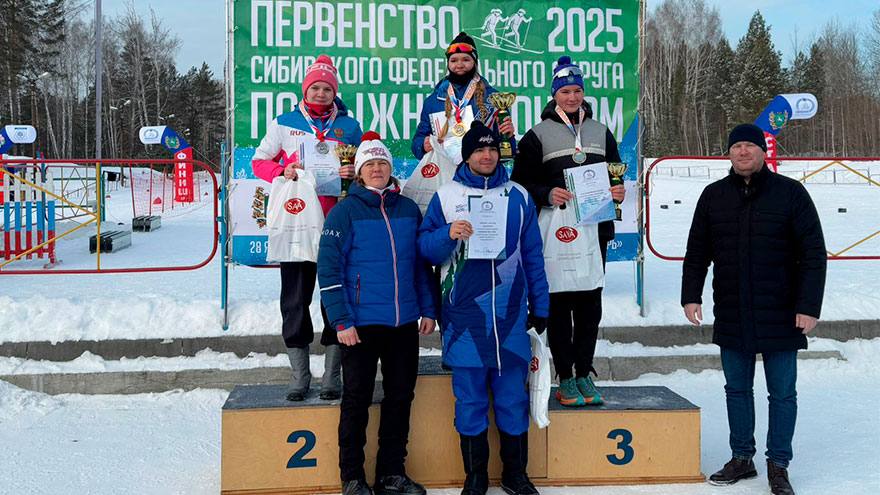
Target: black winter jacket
pixel 539 178
pixel 766 243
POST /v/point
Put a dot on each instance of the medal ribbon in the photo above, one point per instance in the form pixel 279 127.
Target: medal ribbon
pixel 319 131
pixel 465 99
pixel 567 122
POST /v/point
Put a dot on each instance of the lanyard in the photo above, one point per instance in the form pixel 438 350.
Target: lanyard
pixel 465 99
pixel 575 131
pixel 319 131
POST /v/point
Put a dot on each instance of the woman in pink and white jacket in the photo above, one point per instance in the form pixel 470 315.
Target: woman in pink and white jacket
pixel 319 121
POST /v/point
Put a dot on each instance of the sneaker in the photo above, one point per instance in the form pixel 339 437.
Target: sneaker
pixel 588 389
pixel 777 476
pixel 356 487
pixel 735 470
pixel 398 484
pixel 329 395
pixel 518 485
pixel 568 395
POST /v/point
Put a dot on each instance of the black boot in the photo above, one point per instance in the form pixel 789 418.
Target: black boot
pixel 515 457
pixel 778 478
pixel 397 484
pixel 735 470
pixel 475 455
pixel 356 487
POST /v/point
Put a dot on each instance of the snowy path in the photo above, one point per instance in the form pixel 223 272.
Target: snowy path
pixel 170 443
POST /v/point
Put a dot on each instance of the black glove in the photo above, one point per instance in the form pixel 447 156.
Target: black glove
pixel 537 322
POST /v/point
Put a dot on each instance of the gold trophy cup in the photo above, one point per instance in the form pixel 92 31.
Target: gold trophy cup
pixel 346 153
pixel 616 170
pixel 503 102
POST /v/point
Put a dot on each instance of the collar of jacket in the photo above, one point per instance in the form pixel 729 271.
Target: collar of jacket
pixel 340 106
pixel 464 175
pixel 756 181
pixel 549 112
pixel 373 198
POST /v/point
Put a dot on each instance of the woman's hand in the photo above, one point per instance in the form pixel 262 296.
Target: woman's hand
pixel 559 195
pixel 427 326
pixel 346 172
pixel 618 193
pixel 290 170
pixel 506 127
pixel 460 230
pixel 349 336
pixel 427 144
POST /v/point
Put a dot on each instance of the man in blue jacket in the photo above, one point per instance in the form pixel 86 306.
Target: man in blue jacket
pixel 484 310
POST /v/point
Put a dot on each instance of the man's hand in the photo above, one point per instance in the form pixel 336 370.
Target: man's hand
pixel 427 326
pixel 618 193
pixel 536 322
pixel 349 336
pixel 559 195
pixel 805 322
pixel 694 313
pixel 290 170
pixel 460 230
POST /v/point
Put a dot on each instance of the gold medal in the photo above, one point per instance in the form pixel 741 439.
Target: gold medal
pixel 458 130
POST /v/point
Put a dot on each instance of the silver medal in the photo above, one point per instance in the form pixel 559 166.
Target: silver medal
pixel 322 147
pixel 579 157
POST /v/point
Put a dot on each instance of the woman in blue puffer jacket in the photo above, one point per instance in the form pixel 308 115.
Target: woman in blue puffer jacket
pixel 376 290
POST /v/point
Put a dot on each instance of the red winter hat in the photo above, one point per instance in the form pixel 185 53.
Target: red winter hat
pixel 321 71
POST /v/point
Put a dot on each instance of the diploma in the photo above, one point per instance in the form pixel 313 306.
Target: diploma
pixel 488 217
pixel 592 197
pixel 324 166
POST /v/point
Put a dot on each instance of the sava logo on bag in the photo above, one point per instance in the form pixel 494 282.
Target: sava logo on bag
pixel 534 364
pixel 566 234
pixel 294 206
pixel 430 170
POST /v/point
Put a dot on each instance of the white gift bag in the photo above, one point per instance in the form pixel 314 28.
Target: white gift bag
pixel 294 219
pixel 572 258
pixel 539 379
pixel 434 170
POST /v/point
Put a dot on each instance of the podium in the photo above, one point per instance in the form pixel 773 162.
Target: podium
pixel 640 435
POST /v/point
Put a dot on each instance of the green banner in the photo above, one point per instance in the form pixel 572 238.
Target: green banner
pixel 390 55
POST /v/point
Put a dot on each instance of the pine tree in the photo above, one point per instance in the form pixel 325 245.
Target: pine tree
pixel 759 68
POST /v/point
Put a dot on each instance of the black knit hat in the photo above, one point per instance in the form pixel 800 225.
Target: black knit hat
pixel 479 136
pixel 747 132
pixel 462 44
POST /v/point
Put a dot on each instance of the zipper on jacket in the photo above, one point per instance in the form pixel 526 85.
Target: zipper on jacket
pixel 393 260
pixel 494 318
pixel 495 323
pixel 357 297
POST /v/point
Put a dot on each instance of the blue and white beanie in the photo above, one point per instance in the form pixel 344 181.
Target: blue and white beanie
pixel 566 73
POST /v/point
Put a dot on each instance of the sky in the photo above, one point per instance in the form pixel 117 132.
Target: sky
pixel 201 24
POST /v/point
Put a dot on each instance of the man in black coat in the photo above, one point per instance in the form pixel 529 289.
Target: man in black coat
pixel 762 232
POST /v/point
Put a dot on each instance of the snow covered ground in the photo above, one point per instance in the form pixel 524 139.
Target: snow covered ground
pixel 187 304
pixel 170 443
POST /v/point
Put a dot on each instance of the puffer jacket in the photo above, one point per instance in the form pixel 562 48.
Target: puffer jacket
pixel 369 269
pixel 765 242
pixel 486 302
pixel 284 136
pixel 436 102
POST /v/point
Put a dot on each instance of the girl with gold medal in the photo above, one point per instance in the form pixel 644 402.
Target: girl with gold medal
pixel 456 101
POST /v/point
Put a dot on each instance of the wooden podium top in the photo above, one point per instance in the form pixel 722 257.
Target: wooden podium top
pixel 616 398
pixel 632 399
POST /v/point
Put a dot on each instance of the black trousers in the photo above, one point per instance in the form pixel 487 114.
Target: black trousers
pixel 297 287
pixel 573 327
pixel 398 348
